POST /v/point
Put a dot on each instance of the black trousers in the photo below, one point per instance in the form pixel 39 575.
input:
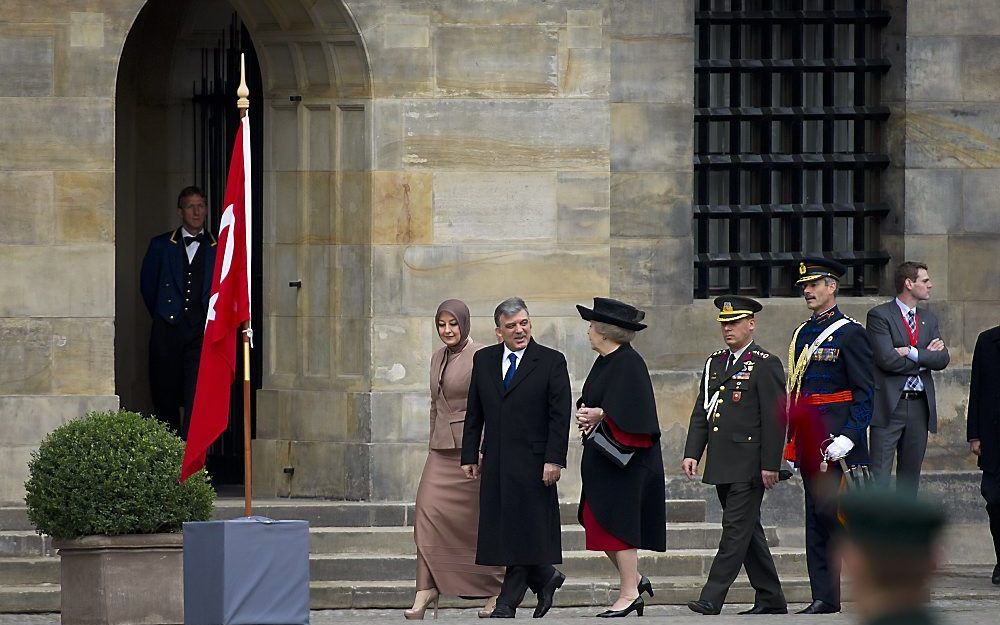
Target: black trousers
pixel 519 578
pixel 990 490
pixel 743 544
pixel 822 533
pixel 174 354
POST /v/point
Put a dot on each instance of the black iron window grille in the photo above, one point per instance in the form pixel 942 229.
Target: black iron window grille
pixel 788 142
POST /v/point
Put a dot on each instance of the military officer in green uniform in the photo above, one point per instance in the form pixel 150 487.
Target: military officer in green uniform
pixel 890 553
pixel 739 417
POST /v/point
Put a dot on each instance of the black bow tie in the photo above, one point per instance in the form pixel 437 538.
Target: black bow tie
pixel 189 240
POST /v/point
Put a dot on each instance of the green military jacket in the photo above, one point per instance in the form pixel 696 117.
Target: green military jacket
pixel 744 427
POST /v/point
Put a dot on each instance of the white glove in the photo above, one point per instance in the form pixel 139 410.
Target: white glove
pixel 839 448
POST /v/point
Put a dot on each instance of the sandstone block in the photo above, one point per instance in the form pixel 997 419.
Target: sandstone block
pixel 652 70
pixel 402 72
pixel 934 68
pixel 932 199
pixel 508 135
pixel 648 272
pixel 651 137
pixel 651 17
pixel 86 30
pixel 401 417
pixel 402 210
pixel 28 219
pixel 84 206
pixel 317 351
pixel 969 251
pixel 977 317
pixel 268 478
pixel 583 201
pixel 981 207
pixel 407 31
pixel 953 136
pixel 979 67
pixel 933 250
pixel 82 292
pixel 26 65
pixel 494 207
pixel 87 143
pixel 496 61
pixel 951 17
pixel 401 350
pixel 583 71
pixel 516 12
pixel 387 129
pixel 337 470
pixel 396 469
pixel 83 358
pixel 650 205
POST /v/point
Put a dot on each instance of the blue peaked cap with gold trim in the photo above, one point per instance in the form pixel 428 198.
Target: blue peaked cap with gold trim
pixel 810 269
pixel 736 307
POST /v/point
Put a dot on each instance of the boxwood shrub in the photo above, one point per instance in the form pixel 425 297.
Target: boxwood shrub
pixel 113 473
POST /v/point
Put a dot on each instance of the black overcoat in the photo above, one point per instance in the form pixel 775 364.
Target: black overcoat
pixel 521 429
pixel 984 399
pixel 628 502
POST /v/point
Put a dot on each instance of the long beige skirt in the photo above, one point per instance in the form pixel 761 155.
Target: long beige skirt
pixel 445 528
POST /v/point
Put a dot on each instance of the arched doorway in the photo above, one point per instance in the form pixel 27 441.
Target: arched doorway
pixel 313 140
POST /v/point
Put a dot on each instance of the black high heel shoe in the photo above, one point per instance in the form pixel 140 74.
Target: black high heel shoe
pixel 636 606
pixel 645 586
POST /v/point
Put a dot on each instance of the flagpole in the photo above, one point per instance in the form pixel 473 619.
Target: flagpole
pixel 243 104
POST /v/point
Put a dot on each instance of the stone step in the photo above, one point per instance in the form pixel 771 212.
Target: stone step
pixel 28 599
pixel 24 543
pixel 27 571
pixel 576 564
pixel 399 540
pixel 321 513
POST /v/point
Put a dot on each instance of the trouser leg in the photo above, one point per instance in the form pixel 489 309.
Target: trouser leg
pixel 166 372
pixel 740 516
pixel 822 530
pixel 882 444
pixel 539 575
pixel 990 490
pixel 191 358
pixel 912 446
pixel 515 584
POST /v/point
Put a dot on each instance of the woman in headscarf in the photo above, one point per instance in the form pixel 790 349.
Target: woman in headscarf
pixel 623 501
pixel 446 523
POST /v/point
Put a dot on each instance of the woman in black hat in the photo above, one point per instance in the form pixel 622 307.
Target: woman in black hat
pixel 622 505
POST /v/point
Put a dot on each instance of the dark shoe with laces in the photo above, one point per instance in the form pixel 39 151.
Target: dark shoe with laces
pixel 819 607
pixel 703 607
pixel 766 609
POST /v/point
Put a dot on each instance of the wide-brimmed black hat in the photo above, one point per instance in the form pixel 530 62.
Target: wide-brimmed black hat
pixel 613 312
pixel 815 268
pixel 736 307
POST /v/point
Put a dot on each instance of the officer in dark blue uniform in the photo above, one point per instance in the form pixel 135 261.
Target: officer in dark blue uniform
pixel 830 390
pixel 175 281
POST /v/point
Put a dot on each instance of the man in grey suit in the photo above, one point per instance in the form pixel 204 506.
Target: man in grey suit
pixel 908 346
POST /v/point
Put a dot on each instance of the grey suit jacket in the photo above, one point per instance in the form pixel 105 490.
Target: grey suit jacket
pixel 887 331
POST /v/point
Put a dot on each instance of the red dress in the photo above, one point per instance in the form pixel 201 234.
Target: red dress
pixel 598 538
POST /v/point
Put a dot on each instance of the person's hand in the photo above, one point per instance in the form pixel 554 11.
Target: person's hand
pixel 588 418
pixel 839 448
pixel 690 467
pixel 936 345
pixel 550 473
pixel 471 471
pixel 770 478
pixel 903 351
pixel 975 446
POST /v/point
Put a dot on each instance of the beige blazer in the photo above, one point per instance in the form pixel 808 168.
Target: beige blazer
pixel 449 393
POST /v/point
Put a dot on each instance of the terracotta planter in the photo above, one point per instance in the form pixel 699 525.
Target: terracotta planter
pixel 135 579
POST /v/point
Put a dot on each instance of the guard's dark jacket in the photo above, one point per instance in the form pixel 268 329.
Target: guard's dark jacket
pixel 845 362
pixel 746 432
pixel 162 279
pixel 628 502
pixel 521 429
pixel 984 399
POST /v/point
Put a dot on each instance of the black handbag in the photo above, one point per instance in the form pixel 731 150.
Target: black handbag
pixel 618 454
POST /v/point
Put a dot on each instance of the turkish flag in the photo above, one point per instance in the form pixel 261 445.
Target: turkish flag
pixel 228 308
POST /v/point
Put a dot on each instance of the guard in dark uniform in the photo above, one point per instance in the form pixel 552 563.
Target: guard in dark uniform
pixel 890 554
pixel 830 391
pixel 739 416
pixel 175 281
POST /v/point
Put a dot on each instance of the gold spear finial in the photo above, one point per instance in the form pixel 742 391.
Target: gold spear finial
pixel 243 103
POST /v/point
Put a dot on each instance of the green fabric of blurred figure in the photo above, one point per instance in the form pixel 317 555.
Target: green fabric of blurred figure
pixel 891 553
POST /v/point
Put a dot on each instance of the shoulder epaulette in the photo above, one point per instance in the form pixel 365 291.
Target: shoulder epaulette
pixel 718 353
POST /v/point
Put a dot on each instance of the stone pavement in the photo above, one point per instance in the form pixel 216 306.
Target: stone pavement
pixel 961 596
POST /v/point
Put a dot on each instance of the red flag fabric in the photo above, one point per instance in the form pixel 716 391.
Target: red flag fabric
pixel 228 308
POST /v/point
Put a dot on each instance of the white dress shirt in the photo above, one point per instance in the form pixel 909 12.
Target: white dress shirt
pixel 193 248
pixel 505 364
pixel 738 353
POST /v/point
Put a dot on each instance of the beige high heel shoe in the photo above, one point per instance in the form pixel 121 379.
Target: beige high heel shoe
pixel 418 614
pixel 488 608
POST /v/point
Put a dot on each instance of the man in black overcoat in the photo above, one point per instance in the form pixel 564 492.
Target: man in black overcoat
pixel 519 407
pixel 175 281
pixel 984 427
pixel 739 417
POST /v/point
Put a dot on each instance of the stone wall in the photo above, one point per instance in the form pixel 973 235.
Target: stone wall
pixel 464 148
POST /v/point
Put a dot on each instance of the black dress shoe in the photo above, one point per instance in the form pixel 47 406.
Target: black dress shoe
pixel 764 609
pixel 502 611
pixel 996 575
pixel 819 607
pixel 645 586
pixel 547 593
pixel 703 607
pixel 636 606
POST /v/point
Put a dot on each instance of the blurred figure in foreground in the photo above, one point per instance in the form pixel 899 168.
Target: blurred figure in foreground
pixel 891 552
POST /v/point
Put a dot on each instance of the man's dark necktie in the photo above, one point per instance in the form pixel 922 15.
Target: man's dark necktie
pixel 189 240
pixel 731 361
pixel 510 371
